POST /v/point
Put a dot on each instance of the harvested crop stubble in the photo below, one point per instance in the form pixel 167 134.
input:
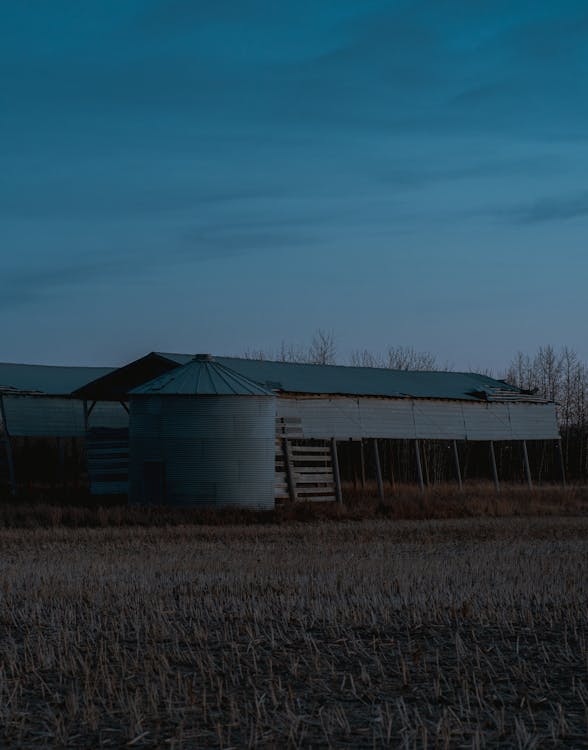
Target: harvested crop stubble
pixel 463 633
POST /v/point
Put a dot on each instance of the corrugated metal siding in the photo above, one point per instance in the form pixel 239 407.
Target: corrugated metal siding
pixel 487 422
pixel 52 416
pixel 345 418
pixel 528 419
pixel 44 416
pixel 438 420
pixel 216 450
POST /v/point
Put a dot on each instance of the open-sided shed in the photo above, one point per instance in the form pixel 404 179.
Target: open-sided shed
pixel 38 401
pixel 319 405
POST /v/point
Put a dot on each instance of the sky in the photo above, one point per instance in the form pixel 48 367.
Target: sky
pixel 185 175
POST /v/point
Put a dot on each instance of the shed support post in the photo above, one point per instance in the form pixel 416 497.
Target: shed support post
pixel 527 466
pixel 61 459
pixel 5 439
pixel 562 463
pixel 457 466
pixel 378 469
pixel 87 411
pixel 351 456
pixel 362 456
pixel 417 451
pixel 336 473
pixel 289 470
pixel 494 467
pixel 391 456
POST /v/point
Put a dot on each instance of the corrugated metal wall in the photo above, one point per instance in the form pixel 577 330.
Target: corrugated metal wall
pixel 208 450
pixel 44 416
pixel 345 418
pixel 51 416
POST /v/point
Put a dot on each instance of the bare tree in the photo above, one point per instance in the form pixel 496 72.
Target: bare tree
pixel 396 358
pixel 407 358
pixel 321 351
pixel 520 372
pixel 365 358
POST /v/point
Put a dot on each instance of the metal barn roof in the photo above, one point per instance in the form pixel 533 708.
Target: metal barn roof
pixel 202 376
pixel 51 380
pixel 290 377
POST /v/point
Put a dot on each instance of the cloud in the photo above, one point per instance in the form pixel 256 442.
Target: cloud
pixel 175 247
pixel 556 208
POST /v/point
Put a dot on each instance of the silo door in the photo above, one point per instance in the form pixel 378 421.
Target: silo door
pixel 153 482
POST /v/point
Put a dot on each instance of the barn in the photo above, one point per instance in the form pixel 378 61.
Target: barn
pixel 320 409
pixel 37 407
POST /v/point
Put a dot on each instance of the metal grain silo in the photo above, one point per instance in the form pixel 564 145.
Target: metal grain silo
pixel 202 434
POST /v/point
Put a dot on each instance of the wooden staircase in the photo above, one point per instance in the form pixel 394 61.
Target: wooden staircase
pixel 304 468
pixel 107 453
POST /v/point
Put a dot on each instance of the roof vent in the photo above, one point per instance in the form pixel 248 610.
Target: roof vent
pixel 203 357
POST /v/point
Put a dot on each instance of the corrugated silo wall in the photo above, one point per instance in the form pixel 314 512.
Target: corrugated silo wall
pixel 426 419
pixel 208 450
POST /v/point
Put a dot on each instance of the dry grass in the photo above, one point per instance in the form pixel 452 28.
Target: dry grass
pixel 438 634
pixel 406 502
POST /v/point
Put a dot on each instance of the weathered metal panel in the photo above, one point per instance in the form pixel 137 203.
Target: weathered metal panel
pixel 214 450
pixel 344 418
pixel 533 422
pixel 486 421
pixel 438 420
pixel 44 416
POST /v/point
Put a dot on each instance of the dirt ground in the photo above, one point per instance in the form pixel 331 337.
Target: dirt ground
pixel 441 634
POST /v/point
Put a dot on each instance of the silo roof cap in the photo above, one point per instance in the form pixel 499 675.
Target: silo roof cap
pixel 202 376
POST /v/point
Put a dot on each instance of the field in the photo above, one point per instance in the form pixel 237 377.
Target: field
pixel 432 634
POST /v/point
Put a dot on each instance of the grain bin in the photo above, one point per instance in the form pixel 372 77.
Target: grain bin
pixel 202 435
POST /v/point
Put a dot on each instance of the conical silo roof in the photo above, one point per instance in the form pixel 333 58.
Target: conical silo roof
pixel 202 376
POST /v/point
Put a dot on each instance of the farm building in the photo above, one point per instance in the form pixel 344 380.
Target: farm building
pixel 318 411
pixel 37 406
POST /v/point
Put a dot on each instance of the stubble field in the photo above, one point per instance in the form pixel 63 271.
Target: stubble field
pixel 439 634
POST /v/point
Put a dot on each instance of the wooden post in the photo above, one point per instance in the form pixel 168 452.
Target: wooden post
pixel 527 467
pixel 336 473
pixel 494 467
pixel 61 460
pixel 289 470
pixel 457 466
pixel 391 454
pixel 417 451
pixel 562 464
pixel 5 438
pixel 353 464
pixel 378 470
pixel 425 460
pixel 362 456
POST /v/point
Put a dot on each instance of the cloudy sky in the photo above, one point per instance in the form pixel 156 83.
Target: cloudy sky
pixel 218 175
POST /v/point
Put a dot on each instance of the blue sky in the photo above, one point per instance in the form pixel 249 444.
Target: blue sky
pixel 218 176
